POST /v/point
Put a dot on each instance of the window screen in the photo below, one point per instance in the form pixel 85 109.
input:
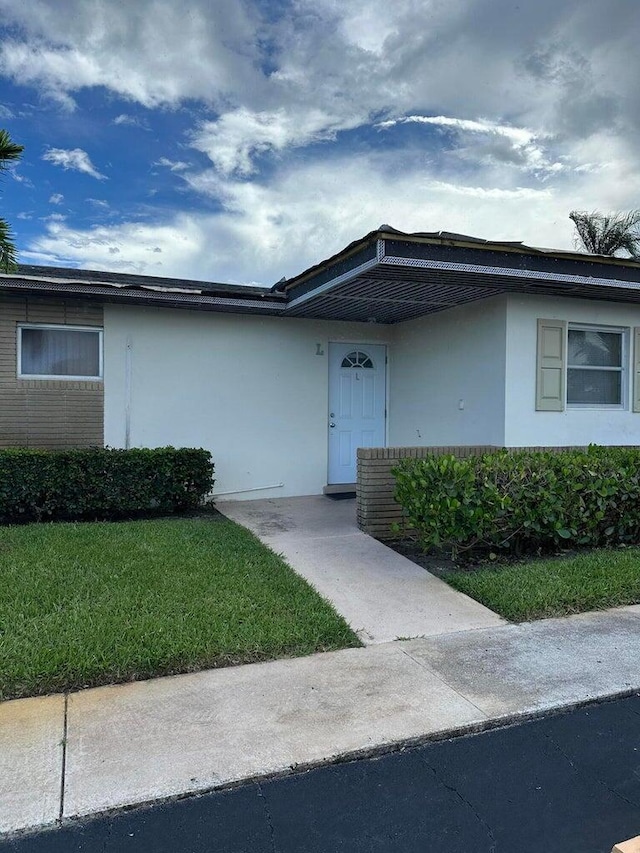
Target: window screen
pixel 60 352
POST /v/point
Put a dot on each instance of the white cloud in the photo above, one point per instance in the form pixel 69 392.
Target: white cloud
pixel 524 147
pixel 99 203
pixel 173 165
pixel 128 247
pixel 75 159
pixel 56 198
pixel 130 121
pixel 21 179
pixel 233 141
pixel 518 135
pixel 154 52
pixel 489 193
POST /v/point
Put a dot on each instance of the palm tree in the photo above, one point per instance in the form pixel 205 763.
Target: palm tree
pixel 9 152
pixel 607 233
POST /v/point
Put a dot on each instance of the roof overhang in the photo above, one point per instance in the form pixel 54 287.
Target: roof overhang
pixel 389 277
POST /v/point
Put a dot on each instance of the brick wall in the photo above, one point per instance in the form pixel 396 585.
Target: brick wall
pixel 377 509
pixel 46 413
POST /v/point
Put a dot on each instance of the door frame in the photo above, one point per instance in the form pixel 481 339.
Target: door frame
pixel 365 343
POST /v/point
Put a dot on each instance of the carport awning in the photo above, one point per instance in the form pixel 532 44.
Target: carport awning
pixel 389 280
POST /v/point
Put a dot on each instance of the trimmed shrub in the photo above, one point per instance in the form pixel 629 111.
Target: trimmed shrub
pixel 41 485
pixel 523 500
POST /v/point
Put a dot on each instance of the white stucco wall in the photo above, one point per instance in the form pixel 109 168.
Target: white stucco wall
pixel 447 377
pixel 250 389
pixel 525 426
pixel 254 392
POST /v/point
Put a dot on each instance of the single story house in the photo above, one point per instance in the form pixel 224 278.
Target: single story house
pixel 397 340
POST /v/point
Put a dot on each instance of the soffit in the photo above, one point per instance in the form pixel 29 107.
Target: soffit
pixel 392 289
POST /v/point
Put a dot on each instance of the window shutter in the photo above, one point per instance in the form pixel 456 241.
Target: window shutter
pixel 552 336
pixel 636 370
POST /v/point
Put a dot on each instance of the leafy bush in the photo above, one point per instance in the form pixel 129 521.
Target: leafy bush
pixel 40 485
pixel 523 500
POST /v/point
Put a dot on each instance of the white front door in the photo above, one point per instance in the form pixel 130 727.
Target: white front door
pixel 356 405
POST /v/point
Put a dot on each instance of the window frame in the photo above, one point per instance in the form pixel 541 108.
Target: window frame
pixel 625 350
pixel 60 377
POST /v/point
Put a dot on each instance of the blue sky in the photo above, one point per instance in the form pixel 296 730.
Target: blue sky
pixel 245 141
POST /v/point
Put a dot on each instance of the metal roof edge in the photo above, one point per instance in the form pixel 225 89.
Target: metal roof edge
pixel 446 238
pixel 285 285
pixel 140 296
pixel 125 280
pixel 509 246
pixel 506 272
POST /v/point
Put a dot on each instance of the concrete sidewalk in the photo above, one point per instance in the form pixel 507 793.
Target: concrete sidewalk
pixel 382 595
pixel 62 757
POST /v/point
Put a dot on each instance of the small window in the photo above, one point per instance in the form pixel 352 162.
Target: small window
pixel 357 359
pixel 596 366
pixel 59 352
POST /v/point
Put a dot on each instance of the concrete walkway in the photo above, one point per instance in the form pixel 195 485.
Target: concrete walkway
pixel 67 756
pixel 382 595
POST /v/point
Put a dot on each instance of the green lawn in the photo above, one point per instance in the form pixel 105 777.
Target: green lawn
pixel 593 580
pixel 89 604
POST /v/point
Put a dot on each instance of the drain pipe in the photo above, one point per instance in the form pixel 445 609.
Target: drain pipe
pixel 127 394
pixel 254 489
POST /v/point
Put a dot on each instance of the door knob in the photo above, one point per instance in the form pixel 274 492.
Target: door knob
pixel 331 425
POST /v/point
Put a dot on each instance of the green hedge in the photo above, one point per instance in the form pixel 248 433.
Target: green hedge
pixel 523 500
pixel 40 485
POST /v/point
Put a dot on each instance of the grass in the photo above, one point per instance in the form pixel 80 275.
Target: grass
pixel 593 580
pixel 96 603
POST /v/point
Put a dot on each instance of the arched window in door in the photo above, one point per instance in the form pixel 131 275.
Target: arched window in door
pixel 357 359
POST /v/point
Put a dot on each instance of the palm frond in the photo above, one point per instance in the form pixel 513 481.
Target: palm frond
pixel 9 150
pixel 8 253
pixel 607 234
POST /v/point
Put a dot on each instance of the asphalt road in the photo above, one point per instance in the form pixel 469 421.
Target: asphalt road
pixel 564 784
